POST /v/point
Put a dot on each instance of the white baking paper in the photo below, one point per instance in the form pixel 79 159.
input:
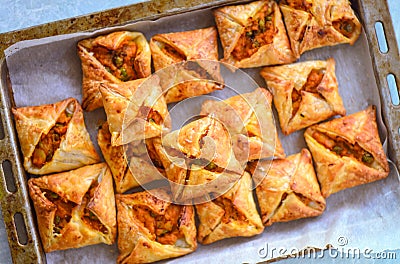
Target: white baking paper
pixel 365 217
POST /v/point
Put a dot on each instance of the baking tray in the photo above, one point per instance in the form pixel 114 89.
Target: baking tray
pixel 20 223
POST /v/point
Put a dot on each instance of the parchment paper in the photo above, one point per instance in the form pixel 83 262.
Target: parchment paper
pixel 48 70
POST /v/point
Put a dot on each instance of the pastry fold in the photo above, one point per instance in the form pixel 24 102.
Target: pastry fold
pixel 305 93
pixel 75 208
pixel 187 63
pixel 253 34
pixel 347 151
pixel 318 23
pixel 131 165
pixel 152 229
pixel 288 189
pixel 53 137
pixel 250 121
pixel 230 215
pixel 114 58
pixel 202 147
pixel 135 110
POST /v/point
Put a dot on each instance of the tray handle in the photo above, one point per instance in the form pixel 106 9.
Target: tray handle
pixel 386 64
pixel 19 221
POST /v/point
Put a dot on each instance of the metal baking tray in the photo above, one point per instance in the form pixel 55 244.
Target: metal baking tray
pixel 17 211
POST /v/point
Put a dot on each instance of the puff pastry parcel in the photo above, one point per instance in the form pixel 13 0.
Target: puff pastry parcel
pixel 305 93
pixel 253 34
pixel 114 58
pixel 230 215
pixel 53 137
pixel 200 152
pixel 183 80
pixel 131 165
pixel 250 122
pixel 75 208
pixel 347 151
pixel 152 229
pixel 288 189
pixel 316 23
pixel 135 110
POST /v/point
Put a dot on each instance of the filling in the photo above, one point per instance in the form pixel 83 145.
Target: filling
pixel 342 147
pixel 311 85
pixel 163 228
pixel 345 26
pixel 63 212
pixel 120 62
pixel 297 4
pixel 150 115
pixel 230 211
pixel 89 218
pixel 171 52
pixel 51 141
pixel 260 31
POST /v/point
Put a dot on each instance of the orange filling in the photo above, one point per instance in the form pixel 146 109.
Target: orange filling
pixel 230 211
pixel 150 115
pixel 259 32
pixel 89 218
pixel 51 141
pixel 165 227
pixel 342 147
pixel 174 54
pixel 345 27
pixel 311 85
pixel 63 212
pixel 120 62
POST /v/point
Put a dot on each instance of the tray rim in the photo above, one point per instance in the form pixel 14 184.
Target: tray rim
pixel 155 10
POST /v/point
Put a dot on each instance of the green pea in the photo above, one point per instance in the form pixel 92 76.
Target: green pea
pixel 337 149
pixel 367 158
pixel 117 60
pixel 211 166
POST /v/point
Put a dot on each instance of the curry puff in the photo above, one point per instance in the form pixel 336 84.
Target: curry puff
pixel 250 121
pixel 347 151
pixel 150 228
pixel 201 152
pixel 131 165
pixel 317 23
pixel 75 208
pixel 305 93
pixel 53 137
pixel 253 34
pixel 229 215
pixel 135 110
pixel 288 189
pixel 114 58
pixel 187 63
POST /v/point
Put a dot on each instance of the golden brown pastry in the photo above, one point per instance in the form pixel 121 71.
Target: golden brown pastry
pixel 144 165
pixel 114 58
pixel 250 121
pixel 253 34
pixel 75 208
pixel 347 151
pixel 135 110
pixel 230 215
pixel 203 145
pixel 53 137
pixel 305 93
pixel 152 229
pixel 288 189
pixel 176 48
pixel 317 23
